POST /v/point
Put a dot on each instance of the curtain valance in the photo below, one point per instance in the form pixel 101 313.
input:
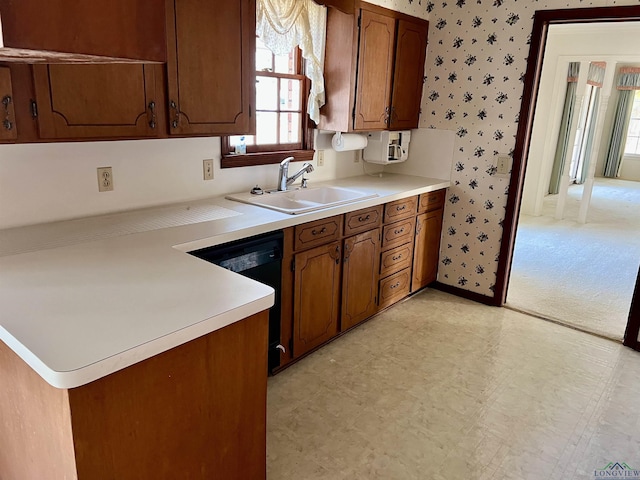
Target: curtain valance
pixel 284 24
pixel 629 78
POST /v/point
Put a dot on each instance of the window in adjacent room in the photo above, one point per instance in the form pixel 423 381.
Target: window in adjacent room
pixel 282 124
pixel 632 145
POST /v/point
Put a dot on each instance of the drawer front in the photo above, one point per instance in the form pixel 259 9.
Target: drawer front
pixel 400 209
pixel 396 259
pixel 317 233
pixel 398 233
pixel 394 288
pixel 431 201
pixel 362 220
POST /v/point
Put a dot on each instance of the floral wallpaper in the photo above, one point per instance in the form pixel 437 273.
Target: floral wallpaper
pixel 476 61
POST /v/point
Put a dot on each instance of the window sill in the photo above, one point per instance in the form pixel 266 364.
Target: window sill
pixel 264 158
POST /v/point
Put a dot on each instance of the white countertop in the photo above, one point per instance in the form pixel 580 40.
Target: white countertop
pixel 78 310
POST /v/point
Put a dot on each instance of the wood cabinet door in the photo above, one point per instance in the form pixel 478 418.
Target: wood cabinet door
pixel 411 47
pixel 8 130
pixel 316 297
pixel 361 264
pixel 211 66
pixel 375 69
pixel 96 100
pixel 427 249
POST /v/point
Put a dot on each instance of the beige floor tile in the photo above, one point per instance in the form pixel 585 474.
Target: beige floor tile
pixel 440 388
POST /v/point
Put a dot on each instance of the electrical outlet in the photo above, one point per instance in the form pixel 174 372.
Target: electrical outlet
pixel 503 165
pixel 105 179
pixel 320 158
pixel 207 169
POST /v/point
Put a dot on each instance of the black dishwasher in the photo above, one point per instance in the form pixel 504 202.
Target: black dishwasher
pixel 259 258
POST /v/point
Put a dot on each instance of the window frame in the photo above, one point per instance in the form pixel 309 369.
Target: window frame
pixel 636 154
pixel 272 154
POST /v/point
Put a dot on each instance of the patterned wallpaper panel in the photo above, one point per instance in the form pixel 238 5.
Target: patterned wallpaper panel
pixel 476 61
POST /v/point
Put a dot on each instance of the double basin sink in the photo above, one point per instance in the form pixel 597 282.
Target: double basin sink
pixel 303 200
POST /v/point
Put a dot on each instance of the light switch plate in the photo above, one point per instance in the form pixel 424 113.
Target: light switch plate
pixel 503 164
pixel 320 158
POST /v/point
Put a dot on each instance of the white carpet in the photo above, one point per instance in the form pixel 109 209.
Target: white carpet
pixel 582 275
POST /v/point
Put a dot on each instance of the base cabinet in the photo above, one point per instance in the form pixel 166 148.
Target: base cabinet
pixel 316 297
pixel 359 278
pixel 427 249
pixel 344 269
pixel 197 411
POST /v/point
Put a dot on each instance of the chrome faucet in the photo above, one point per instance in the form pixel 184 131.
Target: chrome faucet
pixel 284 180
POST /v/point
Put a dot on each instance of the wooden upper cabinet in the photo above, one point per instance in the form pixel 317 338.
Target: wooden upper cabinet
pixel 113 28
pixel 7 112
pixel 97 100
pixel 408 77
pixel 211 66
pixel 375 70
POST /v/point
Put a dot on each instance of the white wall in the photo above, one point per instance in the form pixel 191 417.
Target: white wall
pixel 48 182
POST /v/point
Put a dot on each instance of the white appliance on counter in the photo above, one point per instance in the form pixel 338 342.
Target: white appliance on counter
pixel 386 147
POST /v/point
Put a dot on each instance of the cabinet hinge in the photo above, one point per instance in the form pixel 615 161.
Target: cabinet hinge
pixel 293 264
pixel 34 109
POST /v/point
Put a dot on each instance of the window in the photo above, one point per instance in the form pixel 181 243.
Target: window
pixel 632 145
pixel 282 124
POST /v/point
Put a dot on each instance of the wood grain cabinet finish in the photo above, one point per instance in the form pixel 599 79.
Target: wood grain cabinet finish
pixel 400 209
pixel 197 411
pixel 394 288
pixel 316 297
pixel 98 100
pixel 360 278
pixel 426 249
pixel 396 259
pixel 316 233
pixel 374 69
pixel 362 220
pixel 398 233
pixel 211 66
pixel 431 201
pixel 408 77
pixel 8 128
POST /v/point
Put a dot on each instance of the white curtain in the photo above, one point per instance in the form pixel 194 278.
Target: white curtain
pixel 284 24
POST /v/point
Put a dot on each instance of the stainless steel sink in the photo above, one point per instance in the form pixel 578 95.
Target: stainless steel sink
pixel 303 200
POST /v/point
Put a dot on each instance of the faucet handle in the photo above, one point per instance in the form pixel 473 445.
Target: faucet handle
pixel 286 161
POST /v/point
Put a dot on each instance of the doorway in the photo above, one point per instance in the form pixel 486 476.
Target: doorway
pixel 542 21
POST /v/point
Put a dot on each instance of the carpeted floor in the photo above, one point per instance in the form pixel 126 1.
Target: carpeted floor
pixel 582 275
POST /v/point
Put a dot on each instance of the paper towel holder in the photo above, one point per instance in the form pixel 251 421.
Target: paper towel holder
pixel 348 142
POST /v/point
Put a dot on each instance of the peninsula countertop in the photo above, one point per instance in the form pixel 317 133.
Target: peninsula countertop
pixel 77 306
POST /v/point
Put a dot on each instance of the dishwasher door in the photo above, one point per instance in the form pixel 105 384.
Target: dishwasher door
pixel 258 258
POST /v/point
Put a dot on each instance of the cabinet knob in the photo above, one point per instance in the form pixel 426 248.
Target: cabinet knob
pixel 364 219
pixel 398 232
pixel 315 232
pixel 281 348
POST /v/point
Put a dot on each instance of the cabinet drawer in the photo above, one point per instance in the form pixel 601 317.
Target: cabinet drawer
pixel 362 220
pixel 317 233
pixel 394 288
pixel 398 233
pixel 395 260
pixel 431 201
pixel 400 209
